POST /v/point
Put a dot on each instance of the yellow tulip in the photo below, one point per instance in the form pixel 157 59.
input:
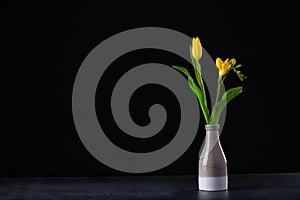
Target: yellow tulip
pixel 196 48
pixel 224 66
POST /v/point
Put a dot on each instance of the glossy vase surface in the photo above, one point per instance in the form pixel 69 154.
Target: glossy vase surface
pixel 212 162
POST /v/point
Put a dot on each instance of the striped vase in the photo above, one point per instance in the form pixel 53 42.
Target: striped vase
pixel 212 162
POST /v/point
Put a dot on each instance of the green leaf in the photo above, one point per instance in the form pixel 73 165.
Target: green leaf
pixel 201 98
pixel 197 91
pixel 182 69
pixel 219 107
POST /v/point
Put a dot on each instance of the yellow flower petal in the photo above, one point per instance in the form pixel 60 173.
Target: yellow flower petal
pixel 222 73
pixel 227 66
pixel 197 40
pixel 219 63
pixel 194 41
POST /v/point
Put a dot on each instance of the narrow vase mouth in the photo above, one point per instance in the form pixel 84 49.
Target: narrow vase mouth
pixel 212 127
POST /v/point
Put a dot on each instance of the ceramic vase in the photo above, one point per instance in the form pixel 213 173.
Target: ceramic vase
pixel 212 162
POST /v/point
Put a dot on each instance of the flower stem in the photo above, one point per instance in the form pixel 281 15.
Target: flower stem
pixel 218 90
pixel 203 101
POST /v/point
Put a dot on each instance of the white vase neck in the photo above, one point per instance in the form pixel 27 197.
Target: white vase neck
pixel 212 127
pixel 212 134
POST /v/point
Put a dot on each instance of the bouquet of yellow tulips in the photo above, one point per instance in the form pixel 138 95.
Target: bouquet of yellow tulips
pixel 224 67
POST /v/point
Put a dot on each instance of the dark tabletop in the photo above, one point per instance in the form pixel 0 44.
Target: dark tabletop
pixel 255 186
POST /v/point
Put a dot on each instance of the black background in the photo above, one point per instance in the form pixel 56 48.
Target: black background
pixel 261 129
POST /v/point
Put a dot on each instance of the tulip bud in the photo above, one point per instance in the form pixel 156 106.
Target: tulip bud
pixel 196 48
